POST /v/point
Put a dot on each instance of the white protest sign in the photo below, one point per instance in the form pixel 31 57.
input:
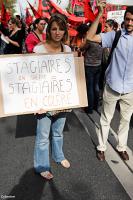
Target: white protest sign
pixel 32 82
pixel 120 2
pixel 62 3
pixel 117 15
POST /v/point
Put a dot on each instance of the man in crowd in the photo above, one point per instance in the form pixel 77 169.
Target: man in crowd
pixel 119 82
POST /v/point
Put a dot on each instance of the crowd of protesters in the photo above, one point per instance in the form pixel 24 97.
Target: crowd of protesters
pixel 95 47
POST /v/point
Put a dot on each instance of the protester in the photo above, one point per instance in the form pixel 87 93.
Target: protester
pixel 119 82
pixel 79 38
pixel 110 25
pixel 37 35
pixel 18 19
pixel 14 38
pixel 2 39
pixel 56 36
pixel 92 59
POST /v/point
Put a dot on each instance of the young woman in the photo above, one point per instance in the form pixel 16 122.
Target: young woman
pixel 92 60
pixel 110 25
pixel 36 36
pixel 14 38
pixel 56 36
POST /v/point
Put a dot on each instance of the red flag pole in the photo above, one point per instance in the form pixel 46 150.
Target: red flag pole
pixel 4 15
pixel 36 14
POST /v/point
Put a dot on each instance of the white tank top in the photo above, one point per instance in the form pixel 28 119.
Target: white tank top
pixel 41 49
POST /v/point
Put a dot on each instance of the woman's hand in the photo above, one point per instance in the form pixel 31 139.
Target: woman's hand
pixel 12 42
pixel 7 38
pixel 101 5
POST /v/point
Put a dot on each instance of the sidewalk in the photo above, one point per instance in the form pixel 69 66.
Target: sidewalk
pixel 87 179
pixel 123 170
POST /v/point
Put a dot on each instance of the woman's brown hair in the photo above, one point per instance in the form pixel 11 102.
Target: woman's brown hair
pixel 62 23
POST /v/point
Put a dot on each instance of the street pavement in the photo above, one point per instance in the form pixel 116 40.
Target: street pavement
pixel 86 179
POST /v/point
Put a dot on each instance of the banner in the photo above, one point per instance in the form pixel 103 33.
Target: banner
pixel 120 2
pixel 40 81
pixel 62 3
pixel 117 15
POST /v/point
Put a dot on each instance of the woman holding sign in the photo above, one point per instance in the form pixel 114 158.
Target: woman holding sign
pixel 51 122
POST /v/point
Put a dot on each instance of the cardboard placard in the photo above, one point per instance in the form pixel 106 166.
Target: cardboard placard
pixel 120 2
pixel 117 15
pixel 30 82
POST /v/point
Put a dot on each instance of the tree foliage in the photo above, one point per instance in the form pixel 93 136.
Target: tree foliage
pixel 8 3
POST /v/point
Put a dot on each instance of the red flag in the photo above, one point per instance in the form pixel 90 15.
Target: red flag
pixel 124 7
pixel 36 14
pixel 71 17
pixel 94 7
pixel 72 32
pixel 40 7
pixel 73 2
pixel 88 13
pixel 4 15
pixel 47 9
pixel 28 17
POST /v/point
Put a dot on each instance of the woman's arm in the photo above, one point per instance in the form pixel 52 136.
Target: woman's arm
pixel 91 33
pixel 12 42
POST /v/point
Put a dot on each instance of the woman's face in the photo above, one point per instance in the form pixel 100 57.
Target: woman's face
pixel 56 32
pixel 107 28
pixel 11 26
pixel 41 25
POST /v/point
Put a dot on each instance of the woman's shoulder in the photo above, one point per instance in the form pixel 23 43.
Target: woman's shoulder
pixel 67 48
pixel 18 31
pixel 40 48
pixel 31 35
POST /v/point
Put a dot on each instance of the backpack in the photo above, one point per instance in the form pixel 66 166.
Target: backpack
pixel 106 56
pixel 115 42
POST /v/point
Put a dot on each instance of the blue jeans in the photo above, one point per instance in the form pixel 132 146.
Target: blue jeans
pixel 92 81
pixel 45 126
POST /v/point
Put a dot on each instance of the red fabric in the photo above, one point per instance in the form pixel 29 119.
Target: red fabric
pixel 73 2
pixel 45 9
pixel 48 7
pixel 63 12
pixel 76 41
pixel 76 20
pixel 124 7
pixel 4 15
pixel 36 14
pixel 79 2
pixel 71 17
pixel 32 40
pixel 28 17
pixel 88 13
pixel 72 32
pixel 40 7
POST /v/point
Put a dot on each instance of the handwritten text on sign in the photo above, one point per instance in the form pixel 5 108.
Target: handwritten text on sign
pixel 120 2
pixel 38 81
pixel 117 15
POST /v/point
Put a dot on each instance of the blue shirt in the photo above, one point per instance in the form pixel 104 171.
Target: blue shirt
pixel 119 74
